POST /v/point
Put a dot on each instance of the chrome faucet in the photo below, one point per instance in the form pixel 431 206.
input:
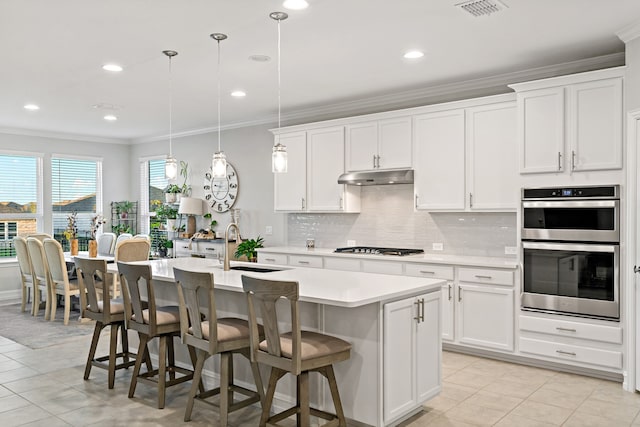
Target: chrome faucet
pixel 226 243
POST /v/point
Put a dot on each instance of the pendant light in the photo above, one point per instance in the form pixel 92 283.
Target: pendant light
pixel 279 155
pixel 219 164
pixel 170 164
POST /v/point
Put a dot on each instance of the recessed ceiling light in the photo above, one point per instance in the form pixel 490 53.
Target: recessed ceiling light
pixel 31 107
pixel 260 58
pixel 238 93
pixel 413 54
pixel 112 67
pixel 295 4
pixel 110 118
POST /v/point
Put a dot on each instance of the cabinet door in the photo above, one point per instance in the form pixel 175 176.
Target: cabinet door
pixel 447 311
pixel 492 179
pixel 485 316
pixel 399 354
pixel 428 348
pixel 290 188
pixel 394 143
pixel 361 146
pixel 595 125
pixel 541 130
pixel 439 181
pixel 325 164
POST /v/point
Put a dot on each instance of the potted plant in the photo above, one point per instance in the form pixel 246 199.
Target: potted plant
pixel 212 223
pixel 172 193
pixel 123 208
pixel 71 232
pixel 184 172
pixel 248 248
pixel 168 244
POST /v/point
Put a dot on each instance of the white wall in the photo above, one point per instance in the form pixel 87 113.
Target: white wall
pixel 249 151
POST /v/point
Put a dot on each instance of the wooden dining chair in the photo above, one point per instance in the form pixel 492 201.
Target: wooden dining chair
pixel 210 336
pixel 151 321
pixel 26 270
pixel 59 283
pixel 297 352
pixel 40 276
pixel 94 283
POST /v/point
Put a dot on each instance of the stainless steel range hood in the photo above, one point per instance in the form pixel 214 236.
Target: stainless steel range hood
pixel 386 177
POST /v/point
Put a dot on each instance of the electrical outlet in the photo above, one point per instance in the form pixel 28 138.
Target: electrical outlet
pixel 510 250
pixel 268 230
pixel 437 247
pixel 351 242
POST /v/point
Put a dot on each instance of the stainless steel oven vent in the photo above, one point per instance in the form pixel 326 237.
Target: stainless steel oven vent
pixel 482 7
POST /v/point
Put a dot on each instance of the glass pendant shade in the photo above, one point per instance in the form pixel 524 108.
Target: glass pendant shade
pixel 219 165
pixel 171 168
pixel 279 159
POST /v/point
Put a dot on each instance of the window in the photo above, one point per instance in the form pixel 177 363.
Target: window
pixel 20 198
pixel 152 182
pixel 75 187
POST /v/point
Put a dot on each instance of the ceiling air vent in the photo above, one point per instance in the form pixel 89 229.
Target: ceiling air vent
pixel 481 7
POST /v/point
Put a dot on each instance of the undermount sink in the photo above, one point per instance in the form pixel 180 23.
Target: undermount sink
pixel 255 269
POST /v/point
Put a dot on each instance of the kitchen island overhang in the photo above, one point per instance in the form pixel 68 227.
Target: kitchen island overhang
pixel 361 308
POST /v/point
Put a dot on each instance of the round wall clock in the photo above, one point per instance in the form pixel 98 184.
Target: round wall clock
pixel 221 193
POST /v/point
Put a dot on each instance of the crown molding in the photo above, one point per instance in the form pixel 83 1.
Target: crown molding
pixel 61 135
pixel 630 32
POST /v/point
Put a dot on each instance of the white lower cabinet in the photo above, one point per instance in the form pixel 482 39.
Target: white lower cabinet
pixel 412 351
pixel 269 258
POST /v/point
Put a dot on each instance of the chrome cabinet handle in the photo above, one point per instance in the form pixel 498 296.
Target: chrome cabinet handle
pixel 209 249
pixel 422 309
pixel 341 203
pixel 559 161
pixel 470 200
pixel 479 276
pixel 449 292
pixel 270 259
pixel 573 160
pixel 374 161
pixel 303 262
pixel 427 272
pixel 568 353
pixel 417 317
pixel 459 294
pixel 302 202
pixel 378 161
pixel 636 269
pixel 416 200
pixel 565 329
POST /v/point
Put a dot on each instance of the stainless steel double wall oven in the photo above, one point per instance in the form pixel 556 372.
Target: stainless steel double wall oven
pixel 571 250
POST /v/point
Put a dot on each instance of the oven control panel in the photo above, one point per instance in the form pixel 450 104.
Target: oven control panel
pixel 603 192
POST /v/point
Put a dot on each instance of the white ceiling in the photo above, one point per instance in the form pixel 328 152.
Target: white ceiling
pixel 335 53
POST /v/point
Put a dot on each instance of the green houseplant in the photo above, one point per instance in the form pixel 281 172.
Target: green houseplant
pixel 171 193
pixel 123 208
pixel 248 248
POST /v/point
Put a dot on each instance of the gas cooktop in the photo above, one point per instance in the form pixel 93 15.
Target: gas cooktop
pixel 372 250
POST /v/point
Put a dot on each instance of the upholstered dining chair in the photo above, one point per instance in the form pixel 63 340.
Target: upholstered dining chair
pixel 132 250
pixel 142 236
pixel 106 243
pixel 59 283
pixel 122 237
pixel 225 336
pixel 40 276
pixel 297 352
pixel 151 321
pixel 94 284
pixel 26 269
pixel 40 236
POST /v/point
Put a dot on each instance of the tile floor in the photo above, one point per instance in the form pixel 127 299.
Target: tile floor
pixel 44 387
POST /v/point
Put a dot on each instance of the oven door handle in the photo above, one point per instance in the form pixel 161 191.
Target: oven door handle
pixel 584 247
pixel 572 204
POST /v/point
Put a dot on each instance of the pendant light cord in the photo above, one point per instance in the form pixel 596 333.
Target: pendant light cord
pixel 279 78
pixel 170 107
pixel 219 96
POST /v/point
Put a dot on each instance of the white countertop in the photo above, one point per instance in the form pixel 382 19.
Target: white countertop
pixel 475 261
pixel 331 287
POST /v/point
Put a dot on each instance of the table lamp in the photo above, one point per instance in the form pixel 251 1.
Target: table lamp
pixel 190 206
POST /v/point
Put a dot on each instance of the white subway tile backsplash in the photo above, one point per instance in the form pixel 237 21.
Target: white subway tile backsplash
pixel 387 218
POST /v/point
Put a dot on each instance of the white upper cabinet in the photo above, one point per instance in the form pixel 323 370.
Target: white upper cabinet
pixel 439 160
pixel 315 161
pixel 465 158
pixel 290 188
pixel 571 123
pixel 381 144
pixel 491 154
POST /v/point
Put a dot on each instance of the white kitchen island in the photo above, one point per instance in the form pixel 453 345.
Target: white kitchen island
pixel 392 322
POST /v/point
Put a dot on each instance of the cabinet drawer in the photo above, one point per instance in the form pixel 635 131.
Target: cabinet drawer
pixel 382 267
pixel 272 258
pixel 305 261
pixel 210 249
pixel 343 264
pixel 572 353
pixel 181 248
pixel 566 328
pixel 429 270
pixel 483 275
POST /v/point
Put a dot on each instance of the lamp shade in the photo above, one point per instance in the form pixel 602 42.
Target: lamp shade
pixel 190 206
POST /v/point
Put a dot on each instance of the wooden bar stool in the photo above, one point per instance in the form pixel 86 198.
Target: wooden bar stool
pixel 151 321
pixel 225 336
pixel 95 303
pixel 297 352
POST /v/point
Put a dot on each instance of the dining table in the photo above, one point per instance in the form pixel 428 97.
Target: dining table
pixel 71 266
